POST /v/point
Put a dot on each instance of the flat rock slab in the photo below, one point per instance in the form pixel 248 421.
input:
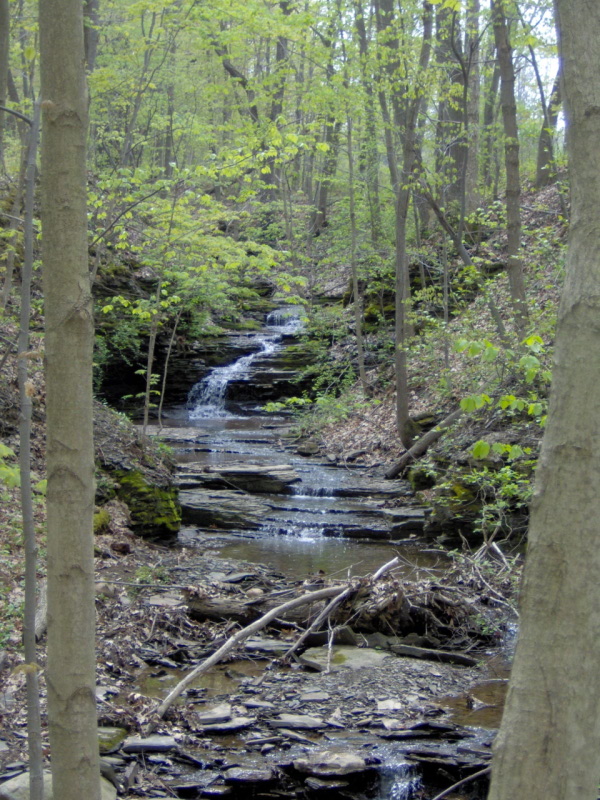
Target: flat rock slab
pixel 341 657
pixel 165 600
pixel 174 434
pixel 314 697
pixel 225 509
pixel 302 722
pixel 233 725
pixel 214 715
pixel 151 744
pixel 246 775
pixel 273 479
pixel 327 764
pixel 18 788
pixel 404 521
pixel 271 647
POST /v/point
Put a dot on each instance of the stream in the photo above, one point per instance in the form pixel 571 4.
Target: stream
pixel 333 521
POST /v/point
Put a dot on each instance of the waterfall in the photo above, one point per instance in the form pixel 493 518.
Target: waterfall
pixel 208 398
pixel 398 780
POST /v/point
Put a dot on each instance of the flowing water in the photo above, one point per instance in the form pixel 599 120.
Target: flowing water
pixel 310 529
pixel 208 398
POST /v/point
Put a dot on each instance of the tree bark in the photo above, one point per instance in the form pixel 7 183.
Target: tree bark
pixel 34 722
pixel 549 739
pixel 354 266
pixel 545 173
pixel 514 266
pixel 406 111
pixel 472 55
pixel 489 117
pixel 4 52
pixel 91 14
pixel 369 155
pixel 70 454
pixel 451 124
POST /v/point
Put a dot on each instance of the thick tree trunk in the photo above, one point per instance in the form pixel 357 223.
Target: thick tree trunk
pixel 549 740
pixel 70 454
pixel 514 265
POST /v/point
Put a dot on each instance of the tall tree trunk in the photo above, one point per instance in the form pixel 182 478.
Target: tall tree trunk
pixel 545 172
pixel 70 453
pixel 408 112
pixel 4 53
pixel 354 265
pixel 514 266
pixel 451 149
pixel 549 740
pixel 369 156
pixel 91 16
pixel 472 54
pixel 489 119
pixel 34 721
pixel 321 203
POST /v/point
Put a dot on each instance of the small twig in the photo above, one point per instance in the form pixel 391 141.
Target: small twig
pixel 469 778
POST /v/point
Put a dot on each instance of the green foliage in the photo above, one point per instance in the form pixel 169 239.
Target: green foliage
pixel 9 473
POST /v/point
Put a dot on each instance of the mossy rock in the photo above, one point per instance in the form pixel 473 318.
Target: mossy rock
pixel 110 738
pixel 155 510
pixel 245 324
pixel 421 478
pixel 101 520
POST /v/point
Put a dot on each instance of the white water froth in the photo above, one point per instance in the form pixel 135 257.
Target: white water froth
pixel 398 781
pixel 208 397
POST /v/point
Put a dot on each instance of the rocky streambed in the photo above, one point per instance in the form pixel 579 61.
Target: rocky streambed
pixel 393 692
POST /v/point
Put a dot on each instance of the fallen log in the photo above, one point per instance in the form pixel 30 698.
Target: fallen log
pixel 422 444
pixel 221 608
pixel 445 656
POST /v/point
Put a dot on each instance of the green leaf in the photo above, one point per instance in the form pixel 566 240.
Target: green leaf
pixel 6 452
pixel 481 449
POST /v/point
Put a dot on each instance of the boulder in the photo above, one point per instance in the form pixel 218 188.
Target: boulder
pixel 154 508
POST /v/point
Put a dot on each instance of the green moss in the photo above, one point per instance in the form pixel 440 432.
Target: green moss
pixel 155 510
pixel 101 521
pixel 110 738
pixel 245 324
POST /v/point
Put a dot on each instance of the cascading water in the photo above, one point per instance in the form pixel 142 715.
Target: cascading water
pixel 208 398
pixel 399 780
